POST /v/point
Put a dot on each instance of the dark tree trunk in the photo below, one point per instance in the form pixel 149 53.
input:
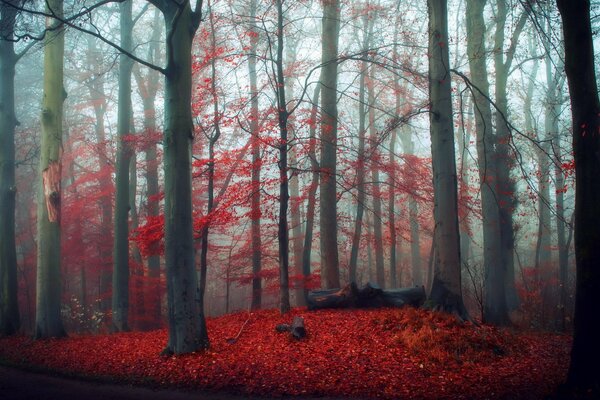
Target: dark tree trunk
pixel 148 88
pixel 330 274
pixel 312 192
pixel 446 292
pixel 120 294
pixel 584 369
pixel 256 163
pixel 187 326
pixel 212 141
pixel 360 164
pixel 495 310
pixel 371 295
pixel 9 307
pixel 283 232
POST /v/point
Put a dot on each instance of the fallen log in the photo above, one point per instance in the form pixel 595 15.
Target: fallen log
pixel 370 296
pixel 296 329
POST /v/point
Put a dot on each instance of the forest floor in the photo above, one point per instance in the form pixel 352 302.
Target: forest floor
pixel 382 353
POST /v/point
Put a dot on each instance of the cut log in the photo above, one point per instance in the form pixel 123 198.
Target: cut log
pixel 296 329
pixel 370 296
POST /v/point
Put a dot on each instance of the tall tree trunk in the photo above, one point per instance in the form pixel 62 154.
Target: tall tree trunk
pixel 98 97
pixel 446 292
pixel 48 322
pixel 148 88
pixel 141 315
pixel 290 52
pixel 413 214
pixel 376 192
pixel 330 274
pixel 120 294
pixel 187 326
pixel 495 310
pixel 394 279
pixel 256 163
pixel 283 232
pixel 9 306
pixel 584 369
pixel 506 199
pixel 212 141
pixel 312 192
pixel 360 162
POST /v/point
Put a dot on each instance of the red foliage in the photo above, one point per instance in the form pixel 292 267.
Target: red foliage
pixel 385 353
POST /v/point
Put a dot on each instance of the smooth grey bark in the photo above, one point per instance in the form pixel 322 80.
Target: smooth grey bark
pixel 297 238
pixel 256 163
pixel 330 274
pixel 212 141
pixel 495 310
pixel 446 292
pixel 98 97
pixel 506 199
pixel 9 306
pixel 48 322
pixel 584 369
pixel 360 164
pixel 376 191
pixel 282 118
pixel 312 191
pixel 139 295
pixel 148 88
pixel 120 292
pixel 413 214
pixel 187 325
pixel 395 277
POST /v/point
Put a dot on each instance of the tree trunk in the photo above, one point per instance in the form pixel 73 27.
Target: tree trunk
pixel 376 192
pixel 413 213
pixel 370 295
pixel 283 232
pixel 120 294
pixel 506 199
pixel 446 293
pixel 48 322
pixel 98 98
pixel 148 88
pixel 330 274
pixel 212 141
pixel 290 51
pixel 584 369
pixel 256 164
pixel 495 310
pixel 9 306
pixel 187 326
pixel 360 162
pixel 312 192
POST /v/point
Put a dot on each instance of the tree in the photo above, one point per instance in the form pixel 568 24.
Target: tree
pixel 256 163
pixel 282 118
pixel 48 295
pixel 506 188
pixel 330 274
pixel 584 369
pixel 446 292
pixel 9 307
pixel 120 296
pixel 187 326
pixel 360 164
pixel 495 310
pixel 148 87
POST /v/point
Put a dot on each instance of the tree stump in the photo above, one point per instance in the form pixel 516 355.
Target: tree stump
pixel 296 329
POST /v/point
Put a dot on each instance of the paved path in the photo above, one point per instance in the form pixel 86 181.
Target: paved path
pixel 16 384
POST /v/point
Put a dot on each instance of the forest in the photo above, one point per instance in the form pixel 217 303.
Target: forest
pixel 342 198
